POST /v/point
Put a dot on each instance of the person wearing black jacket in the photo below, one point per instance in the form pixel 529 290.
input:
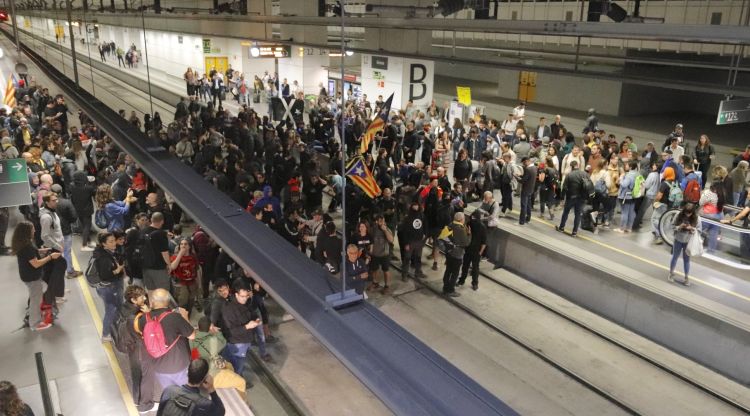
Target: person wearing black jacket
pixel 110 274
pixel 81 194
pixel 411 233
pixel 475 250
pixel 240 322
pixel 575 188
pixel 67 214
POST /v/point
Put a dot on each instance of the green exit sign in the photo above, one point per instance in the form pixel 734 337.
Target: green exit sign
pixel 14 183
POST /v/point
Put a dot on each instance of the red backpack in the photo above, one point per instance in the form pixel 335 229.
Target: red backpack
pixel 692 191
pixel 153 336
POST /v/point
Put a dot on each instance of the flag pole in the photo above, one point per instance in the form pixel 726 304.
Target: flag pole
pixel 343 299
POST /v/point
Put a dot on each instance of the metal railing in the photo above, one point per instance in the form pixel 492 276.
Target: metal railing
pixel 725 243
pixel 49 408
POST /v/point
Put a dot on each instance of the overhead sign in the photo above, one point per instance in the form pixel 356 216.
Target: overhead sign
pixel 271 51
pixel 206 45
pixel 14 183
pixel 733 111
pixel 379 62
pixel 464 95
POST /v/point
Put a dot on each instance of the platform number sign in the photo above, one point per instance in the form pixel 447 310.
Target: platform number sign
pixel 733 111
pixel 14 183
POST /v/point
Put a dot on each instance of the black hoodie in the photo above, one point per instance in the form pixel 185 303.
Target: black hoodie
pixel 81 194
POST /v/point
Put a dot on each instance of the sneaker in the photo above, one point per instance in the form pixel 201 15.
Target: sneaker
pixel 147 408
pixel 87 248
pixel 421 275
pixel 551 216
pixel 60 301
pixel 593 216
pixel 453 294
pixel 106 338
pixel 559 229
pixel 670 277
pixel 386 290
pixel 658 241
pixel 73 274
pixel 618 230
pixel 41 326
pixel 541 215
pixel 574 235
pixel 474 286
pixel 271 339
pixel 686 282
pixel 434 266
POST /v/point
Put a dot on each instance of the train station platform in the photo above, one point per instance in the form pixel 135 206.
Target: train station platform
pixel 547 340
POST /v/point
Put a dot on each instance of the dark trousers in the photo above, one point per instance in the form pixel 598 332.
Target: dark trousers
pixel 525 208
pixel 452 268
pixel 54 276
pixel 575 203
pixel 4 216
pixel 85 221
pixel 507 193
pixel 145 390
pixel 471 259
pixel 216 95
pixel 413 257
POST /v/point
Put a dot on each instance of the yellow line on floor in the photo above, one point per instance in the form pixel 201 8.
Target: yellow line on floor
pixel 110 353
pixel 651 262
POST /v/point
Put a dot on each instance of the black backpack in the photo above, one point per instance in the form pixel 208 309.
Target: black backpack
pixel 143 256
pixel 92 274
pixel 181 403
pixel 123 333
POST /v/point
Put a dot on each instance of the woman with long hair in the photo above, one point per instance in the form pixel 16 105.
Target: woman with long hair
pixel 30 262
pixel 10 403
pixel 703 156
pixel 186 274
pixel 684 227
pixel 115 211
pixel 110 271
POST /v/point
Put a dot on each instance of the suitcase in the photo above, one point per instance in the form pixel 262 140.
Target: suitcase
pixel 586 222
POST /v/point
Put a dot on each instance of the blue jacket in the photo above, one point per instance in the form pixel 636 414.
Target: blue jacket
pixel 627 184
pixel 116 212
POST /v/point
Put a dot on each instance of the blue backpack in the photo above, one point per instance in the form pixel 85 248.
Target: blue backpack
pixel 100 219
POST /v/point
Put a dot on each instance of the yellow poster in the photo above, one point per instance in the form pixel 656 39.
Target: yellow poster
pixel 464 95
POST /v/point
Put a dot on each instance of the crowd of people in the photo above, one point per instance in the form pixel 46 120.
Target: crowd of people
pixel 151 272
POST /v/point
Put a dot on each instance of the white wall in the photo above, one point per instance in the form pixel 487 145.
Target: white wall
pixel 396 79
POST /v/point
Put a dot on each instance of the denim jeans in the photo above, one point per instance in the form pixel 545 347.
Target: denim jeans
pixel 711 230
pixel 655 217
pixel 178 379
pixel 678 248
pixel 237 353
pixel 112 297
pixel 628 214
pixel 67 246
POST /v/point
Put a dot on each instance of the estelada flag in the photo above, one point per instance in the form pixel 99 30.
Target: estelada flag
pixel 376 125
pixel 10 92
pixel 357 171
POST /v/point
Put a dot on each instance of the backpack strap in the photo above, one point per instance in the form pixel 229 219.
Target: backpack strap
pixel 135 323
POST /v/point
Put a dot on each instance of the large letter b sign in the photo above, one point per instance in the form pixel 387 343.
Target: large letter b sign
pixel 417 74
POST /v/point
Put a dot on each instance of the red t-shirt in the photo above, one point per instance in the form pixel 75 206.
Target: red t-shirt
pixel 187 270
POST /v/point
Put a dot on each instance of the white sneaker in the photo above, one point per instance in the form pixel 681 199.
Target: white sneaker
pixel 87 248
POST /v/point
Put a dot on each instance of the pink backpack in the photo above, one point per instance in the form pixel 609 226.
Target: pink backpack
pixel 153 336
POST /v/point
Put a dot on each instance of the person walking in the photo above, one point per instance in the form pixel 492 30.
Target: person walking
pixel 684 228
pixel 110 273
pixel 575 190
pixel 30 262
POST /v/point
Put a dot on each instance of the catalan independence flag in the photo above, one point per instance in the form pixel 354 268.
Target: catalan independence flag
pixel 357 171
pixel 376 125
pixel 10 92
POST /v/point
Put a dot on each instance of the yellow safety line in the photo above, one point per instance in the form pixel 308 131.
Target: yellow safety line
pixel 119 377
pixel 651 262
